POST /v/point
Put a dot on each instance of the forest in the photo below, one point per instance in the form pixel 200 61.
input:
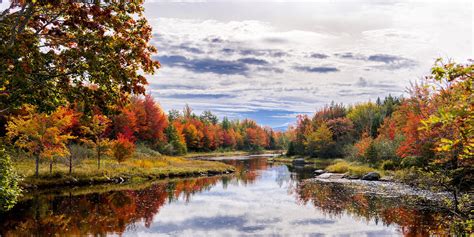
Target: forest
pixel 75 110
pixel 427 137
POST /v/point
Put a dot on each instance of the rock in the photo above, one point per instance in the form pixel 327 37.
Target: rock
pixel 319 172
pixel 348 176
pixel 299 161
pixel 371 176
pixel 330 176
pixel 387 179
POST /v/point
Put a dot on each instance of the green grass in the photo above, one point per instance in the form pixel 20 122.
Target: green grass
pixel 133 170
pixel 351 168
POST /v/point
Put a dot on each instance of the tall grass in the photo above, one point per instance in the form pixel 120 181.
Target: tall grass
pixel 352 169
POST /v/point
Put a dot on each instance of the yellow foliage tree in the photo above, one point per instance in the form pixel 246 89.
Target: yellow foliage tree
pixel 42 135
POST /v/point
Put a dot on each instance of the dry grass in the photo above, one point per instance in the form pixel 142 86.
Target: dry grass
pixel 353 169
pixel 144 168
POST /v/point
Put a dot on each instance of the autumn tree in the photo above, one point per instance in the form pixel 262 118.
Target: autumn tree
pixel 452 125
pixel 40 134
pixel 54 52
pixel 319 142
pixel 150 120
pixel 208 117
pixel 366 117
pixel 96 132
pixel 122 148
pixel 176 143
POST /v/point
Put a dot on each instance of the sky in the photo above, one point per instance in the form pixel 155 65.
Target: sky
pixel 270 61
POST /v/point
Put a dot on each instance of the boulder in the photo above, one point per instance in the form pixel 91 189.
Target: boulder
pixel 371 176
pixel 348 176
pixel 319 172
pixel 330 176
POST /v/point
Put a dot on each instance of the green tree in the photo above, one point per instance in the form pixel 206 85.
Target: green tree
pixel 175 146
pixel 9 189
pixel 370 154
pixel 208 117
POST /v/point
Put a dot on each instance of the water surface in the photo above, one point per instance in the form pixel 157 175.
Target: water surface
pixel 261 198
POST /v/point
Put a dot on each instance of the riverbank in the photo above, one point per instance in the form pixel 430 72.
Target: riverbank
pixel 229 153
pixel 134 170
pixel 316 162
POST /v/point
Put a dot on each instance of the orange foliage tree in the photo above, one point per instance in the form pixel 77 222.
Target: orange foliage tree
pixel 40 134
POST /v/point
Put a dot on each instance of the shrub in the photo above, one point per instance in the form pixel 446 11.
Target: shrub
pixel 9 190
pixel 371 154
pixel 388 165
pixel 359 170
pixel 122 148
pixel 351 152
pixel 387 149
pixel 352 169
pixel 144 151
pixel 174 148
pixel 412 161
pixel 339 167
pixel 143 164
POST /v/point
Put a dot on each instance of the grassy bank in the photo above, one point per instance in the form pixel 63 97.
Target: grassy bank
pixel 134 170
pixel 353 169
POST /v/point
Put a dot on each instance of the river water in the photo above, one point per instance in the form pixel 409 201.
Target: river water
pixel 261 198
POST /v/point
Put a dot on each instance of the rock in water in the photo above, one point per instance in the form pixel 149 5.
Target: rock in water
pixel 319 172
pixel 371 176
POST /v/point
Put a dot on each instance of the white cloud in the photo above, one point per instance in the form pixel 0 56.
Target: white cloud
pixel 258 56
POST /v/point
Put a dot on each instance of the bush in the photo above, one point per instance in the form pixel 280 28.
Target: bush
pixel 9 190
pixel 339 167
pixel 388 165
pixel 122 149
pixel 174 148
pixel 412 161
pixel 387 149
pixel 371 155
pixel 351 152
pixel 144 151
pixel 349 168
pixel 359 170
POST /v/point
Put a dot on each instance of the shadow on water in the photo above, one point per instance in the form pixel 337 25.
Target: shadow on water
pixel 260 198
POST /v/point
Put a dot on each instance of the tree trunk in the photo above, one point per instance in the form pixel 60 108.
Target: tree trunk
pixel 37 166
pixel 98 157
pixel 51 167
pixel 70 165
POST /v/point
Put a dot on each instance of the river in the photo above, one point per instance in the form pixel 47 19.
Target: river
pixel 262 198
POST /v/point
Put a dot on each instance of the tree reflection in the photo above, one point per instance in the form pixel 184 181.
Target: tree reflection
pixel 113 211
pixel 98 213
pixel 412 217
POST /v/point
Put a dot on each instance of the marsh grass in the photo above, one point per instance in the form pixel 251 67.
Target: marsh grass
pixel 138 168
pixel 351 168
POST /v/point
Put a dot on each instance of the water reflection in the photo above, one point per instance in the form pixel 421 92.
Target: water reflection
pixel 414 217
pixel 260 199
